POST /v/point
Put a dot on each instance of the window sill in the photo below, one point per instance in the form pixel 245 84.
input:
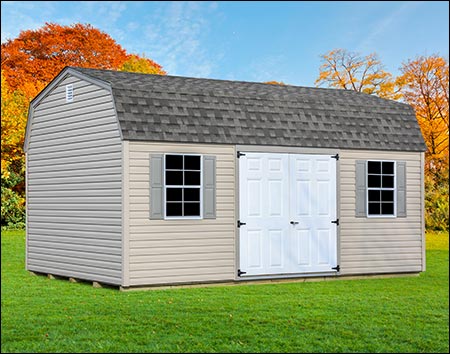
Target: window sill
pixel 183 218
pixel 381 216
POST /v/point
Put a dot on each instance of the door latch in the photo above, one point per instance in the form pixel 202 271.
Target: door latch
pixel 294 222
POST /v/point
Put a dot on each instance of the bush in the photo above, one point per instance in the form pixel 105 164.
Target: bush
pixel 13 204
pixel 436 201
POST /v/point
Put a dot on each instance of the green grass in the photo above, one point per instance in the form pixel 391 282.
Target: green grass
pixel 408 314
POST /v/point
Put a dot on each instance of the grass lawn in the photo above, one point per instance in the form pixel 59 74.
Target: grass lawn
pixel 408 314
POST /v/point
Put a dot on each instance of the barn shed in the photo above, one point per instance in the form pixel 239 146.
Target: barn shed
pixel 145 180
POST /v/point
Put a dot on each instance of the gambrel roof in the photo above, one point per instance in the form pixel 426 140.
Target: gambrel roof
pixel 193 110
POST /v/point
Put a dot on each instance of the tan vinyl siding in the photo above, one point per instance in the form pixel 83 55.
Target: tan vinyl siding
pixel 380 245
pixel 179 251
pixel 74 191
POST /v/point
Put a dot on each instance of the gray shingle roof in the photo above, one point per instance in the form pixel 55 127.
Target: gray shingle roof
pixel 191 110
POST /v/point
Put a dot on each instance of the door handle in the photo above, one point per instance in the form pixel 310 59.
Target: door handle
pixel 294 222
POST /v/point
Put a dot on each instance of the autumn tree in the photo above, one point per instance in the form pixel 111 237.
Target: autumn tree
pixel 275 83
pixel 141 64
pixel 14 108
pixel 352 71
pixel 425 86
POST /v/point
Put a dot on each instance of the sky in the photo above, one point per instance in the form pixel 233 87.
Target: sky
pixel 249 41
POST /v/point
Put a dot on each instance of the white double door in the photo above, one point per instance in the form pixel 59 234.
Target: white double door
pixel 287 205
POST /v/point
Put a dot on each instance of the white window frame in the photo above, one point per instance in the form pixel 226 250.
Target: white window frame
pixel 183 186
pixel 394 189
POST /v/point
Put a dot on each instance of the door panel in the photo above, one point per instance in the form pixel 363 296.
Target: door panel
pixel 254 248
pixel 276 189
pixel 313 206
pixel 276 249
pixel 263 183
pixel 301 242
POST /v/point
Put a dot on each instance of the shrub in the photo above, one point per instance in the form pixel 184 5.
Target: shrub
pixel 436 201
pixel 13 203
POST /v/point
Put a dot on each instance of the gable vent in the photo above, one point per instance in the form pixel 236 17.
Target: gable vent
pixel 69 93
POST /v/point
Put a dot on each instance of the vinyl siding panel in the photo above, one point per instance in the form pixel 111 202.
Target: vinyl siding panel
pixel 380 245
pixel 180 251
pixel 74 191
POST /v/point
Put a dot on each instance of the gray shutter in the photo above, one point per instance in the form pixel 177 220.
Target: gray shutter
pixel 361 189
pixel 401 189
pixel 209 187
pixel 156 187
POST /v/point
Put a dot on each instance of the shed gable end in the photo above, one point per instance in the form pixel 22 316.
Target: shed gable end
pixel 74 183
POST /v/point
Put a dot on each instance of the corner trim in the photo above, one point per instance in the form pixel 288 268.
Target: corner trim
pixel 125 214
pixel 422 208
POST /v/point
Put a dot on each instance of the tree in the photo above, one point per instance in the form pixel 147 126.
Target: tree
pixel 37 56
pixel 351 71
pixel 14 109
pixel 136 64
pixel 275 83
pixel 425 86
pixel 13 122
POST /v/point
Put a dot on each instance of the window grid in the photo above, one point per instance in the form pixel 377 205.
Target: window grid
pixel 381 188
pixel 183 201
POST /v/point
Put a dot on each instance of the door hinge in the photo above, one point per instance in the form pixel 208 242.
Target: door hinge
pixel 239 223
pixel 335 157
pixel 239 154
pixel 240 272
pixel 335 222
pixel 337 268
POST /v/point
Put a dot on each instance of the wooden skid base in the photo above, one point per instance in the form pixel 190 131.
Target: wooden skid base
pixel 95 284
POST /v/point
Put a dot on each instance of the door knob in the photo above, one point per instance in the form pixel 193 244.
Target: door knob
pixel 294 222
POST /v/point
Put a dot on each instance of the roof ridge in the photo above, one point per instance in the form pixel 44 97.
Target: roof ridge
pixel 328 89
pixel 291 89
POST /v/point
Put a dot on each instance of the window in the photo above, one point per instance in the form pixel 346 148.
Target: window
pixel 183 186
pixel 381 188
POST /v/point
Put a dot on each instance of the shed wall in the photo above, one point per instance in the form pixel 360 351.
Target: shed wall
pixel 381 245
pixel 74 192
pixel 178 251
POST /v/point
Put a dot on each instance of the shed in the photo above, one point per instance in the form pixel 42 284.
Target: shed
pixel 147 180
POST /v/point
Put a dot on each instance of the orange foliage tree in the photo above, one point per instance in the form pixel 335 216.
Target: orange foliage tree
pixel 31 61
pixel 352 71
pixel 37 56
pixel 275 83
pixel 425 86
